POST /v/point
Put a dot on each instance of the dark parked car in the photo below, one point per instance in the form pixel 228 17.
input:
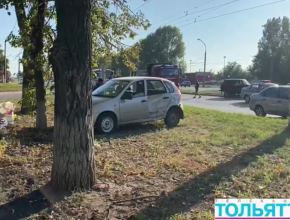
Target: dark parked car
pixel 233 86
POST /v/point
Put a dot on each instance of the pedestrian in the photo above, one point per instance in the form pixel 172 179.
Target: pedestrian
pixel 196 89
pixel 98 84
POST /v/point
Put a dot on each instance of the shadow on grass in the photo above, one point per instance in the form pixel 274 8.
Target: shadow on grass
pixel 32 137
pixel 127 131
pixel 196 190
pixel 32 203
pixel 233 98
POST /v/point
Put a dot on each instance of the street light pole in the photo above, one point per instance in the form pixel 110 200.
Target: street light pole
pixel 204 68
pixel 190 63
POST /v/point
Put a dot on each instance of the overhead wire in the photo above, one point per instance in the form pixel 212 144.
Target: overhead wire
pixel 234 12
pixel 142 5
pixel 195 12
pixel 208 11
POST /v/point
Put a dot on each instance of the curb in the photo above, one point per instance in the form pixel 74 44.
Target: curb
pixel 188 93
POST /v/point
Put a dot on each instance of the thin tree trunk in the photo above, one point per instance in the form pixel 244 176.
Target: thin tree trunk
pixel 36 52
pixel 27 78
pixel 73 151
pixel 21 19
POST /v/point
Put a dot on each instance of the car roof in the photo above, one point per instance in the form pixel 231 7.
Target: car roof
pixel 133 78
pixel 234 79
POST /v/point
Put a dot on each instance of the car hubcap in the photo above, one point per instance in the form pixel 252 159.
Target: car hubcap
pixel 107 124
pixel 260 111
pixel 173 118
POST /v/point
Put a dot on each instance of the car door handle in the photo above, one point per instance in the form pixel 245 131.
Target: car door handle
pixel 263 99
pixel 165 98
pixel 279 101
pixel 144 101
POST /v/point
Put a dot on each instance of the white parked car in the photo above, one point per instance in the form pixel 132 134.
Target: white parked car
pixel 129 100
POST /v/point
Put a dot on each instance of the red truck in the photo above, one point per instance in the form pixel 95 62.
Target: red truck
pixel 163 70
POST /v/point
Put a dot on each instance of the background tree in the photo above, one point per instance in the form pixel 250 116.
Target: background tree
pixel 2 60
pixel 233 70
pixel 164 45
pixel 273 57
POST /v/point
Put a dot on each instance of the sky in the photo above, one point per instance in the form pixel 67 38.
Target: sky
pixel 235 35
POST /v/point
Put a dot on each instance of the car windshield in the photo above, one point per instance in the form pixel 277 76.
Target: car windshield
pixel 246 82
pixel 111 88
pixel 169 72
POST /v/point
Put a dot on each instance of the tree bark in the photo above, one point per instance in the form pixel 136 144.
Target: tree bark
pixel 36 39
pixel 21 19
pixel 73 152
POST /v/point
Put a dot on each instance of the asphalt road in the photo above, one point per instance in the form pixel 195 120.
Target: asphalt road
pixel 218 103
pixel 10 95
pixel 201 88
pixel 208 102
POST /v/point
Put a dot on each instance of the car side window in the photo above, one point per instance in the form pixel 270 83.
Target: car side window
pixel 155 87
pixel 169 87
pixel 271 92
pixel 137 89
pixel 284 93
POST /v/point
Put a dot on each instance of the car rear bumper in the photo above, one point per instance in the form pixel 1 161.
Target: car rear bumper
pixel 181 111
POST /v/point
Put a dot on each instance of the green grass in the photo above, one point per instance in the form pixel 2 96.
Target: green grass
pixel 206 93
pixel 209 155
pixel 10 87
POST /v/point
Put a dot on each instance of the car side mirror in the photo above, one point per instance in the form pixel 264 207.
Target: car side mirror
pixel 127 95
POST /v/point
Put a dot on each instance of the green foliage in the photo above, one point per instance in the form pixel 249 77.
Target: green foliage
pixel 164 45
pixel 110 28
pixel 273 57
pixel 29 100
pixel 233 70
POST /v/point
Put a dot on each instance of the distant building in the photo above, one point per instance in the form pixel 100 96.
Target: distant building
pixel 208 76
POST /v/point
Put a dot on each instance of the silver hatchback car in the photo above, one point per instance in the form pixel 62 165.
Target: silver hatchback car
pixel 272 100
pixel 129 100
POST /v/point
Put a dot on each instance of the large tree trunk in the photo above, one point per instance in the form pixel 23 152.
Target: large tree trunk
pixel 36 52
pixel 73 151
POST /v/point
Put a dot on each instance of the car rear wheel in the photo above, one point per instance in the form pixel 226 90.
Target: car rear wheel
pixel 172 118
pixel 259 110
pixel 247 99
pixel 106 123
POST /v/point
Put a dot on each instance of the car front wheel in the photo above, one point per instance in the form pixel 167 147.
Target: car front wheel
pixel 247 99
pixel 259 110
pixel 106 123
pixel 172 118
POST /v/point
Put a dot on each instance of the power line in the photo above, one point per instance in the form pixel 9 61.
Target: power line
pixel 206 9
pixel 142 5
pixel 189 9
pixel 234 12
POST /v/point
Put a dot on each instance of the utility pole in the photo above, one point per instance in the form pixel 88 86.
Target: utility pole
pixel 224 64
pixel 190 63
pixel 5 64
pixel 204 68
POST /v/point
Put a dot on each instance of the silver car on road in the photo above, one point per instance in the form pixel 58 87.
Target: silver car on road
pixel 272 100
pixel 136 100
pixel 246 92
